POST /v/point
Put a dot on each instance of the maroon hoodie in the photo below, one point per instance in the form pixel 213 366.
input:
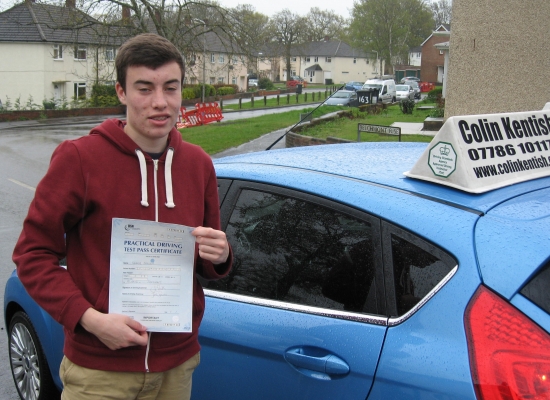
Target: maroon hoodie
pixel 90 181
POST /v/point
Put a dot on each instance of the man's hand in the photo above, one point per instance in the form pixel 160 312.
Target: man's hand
pixel 213 244
pixel 114 330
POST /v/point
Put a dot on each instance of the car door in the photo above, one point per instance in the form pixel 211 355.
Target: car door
pixel 301 314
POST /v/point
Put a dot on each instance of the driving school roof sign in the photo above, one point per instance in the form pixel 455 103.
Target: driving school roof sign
pixel 480 153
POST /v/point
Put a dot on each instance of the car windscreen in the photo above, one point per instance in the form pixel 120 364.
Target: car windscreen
pixel 372 86
pixel 340 95
pixel 402 88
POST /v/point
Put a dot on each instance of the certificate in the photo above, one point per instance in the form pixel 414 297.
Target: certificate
pixel 151 276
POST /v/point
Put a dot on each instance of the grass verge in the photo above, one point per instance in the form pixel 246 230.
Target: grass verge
pixel 217 137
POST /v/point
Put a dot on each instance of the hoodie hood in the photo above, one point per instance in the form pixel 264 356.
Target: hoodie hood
pixel 113 131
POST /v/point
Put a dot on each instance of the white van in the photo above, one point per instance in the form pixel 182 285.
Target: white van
pixel 385 87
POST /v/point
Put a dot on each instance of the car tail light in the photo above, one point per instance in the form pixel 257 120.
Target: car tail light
pixel 509 353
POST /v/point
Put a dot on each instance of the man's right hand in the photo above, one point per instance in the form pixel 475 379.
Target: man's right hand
pixel 114 330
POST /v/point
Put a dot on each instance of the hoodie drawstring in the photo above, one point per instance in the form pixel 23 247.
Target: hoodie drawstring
pixel 143 170
pixel 167 178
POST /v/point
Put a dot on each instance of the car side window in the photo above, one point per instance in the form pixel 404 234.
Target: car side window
pixel 292 250
pixel 414 267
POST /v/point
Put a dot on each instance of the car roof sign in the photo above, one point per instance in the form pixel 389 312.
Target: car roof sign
pixel 479 153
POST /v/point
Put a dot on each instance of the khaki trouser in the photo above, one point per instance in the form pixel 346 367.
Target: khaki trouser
pixel 81 383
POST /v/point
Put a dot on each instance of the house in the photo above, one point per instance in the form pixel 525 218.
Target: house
pixel 52 53
pixel 433 58
pixel 57 53
pixel 216 61
pixel 330 61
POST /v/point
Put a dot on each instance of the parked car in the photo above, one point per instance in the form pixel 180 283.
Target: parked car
pixel 296 78
pixel 353 86
pixel 404 92
pixel 343 98
pixel 409 78
pixel 416 88
pixel 352 281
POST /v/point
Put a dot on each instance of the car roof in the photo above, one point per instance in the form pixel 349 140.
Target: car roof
pixel 381 164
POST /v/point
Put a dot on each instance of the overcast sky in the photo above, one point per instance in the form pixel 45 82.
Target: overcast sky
pixel 270 7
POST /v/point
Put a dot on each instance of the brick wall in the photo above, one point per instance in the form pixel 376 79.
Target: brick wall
pixel 431 58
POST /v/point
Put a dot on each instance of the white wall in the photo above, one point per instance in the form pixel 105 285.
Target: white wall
pixel 29 69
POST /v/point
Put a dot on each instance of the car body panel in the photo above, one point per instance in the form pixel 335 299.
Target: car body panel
pixel 342 98
pixel 385 163
pixel 523 220
pixel 233 341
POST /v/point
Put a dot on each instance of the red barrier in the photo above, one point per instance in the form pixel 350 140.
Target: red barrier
pixel 208 112
pixel 187 119
pixel 426 86
pixel 204 113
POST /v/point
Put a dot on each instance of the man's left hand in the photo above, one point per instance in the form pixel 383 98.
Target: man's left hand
pixel 213 244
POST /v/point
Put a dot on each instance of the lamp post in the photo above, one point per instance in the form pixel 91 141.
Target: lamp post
pixel 203 54
pixel 376 66
pixel 258 66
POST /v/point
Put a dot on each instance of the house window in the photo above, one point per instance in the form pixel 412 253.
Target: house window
pixel 80 90
pixel 316 59
pixel 220 80
pixel 328 59
pixel 57 52
pixel 235 60
pixel 212 58
pixel 221 59
pixel 293 58
pixel 292 72
pixel 234 80
pixel 212 80
pixel 307 59
pixel 354 60
pixel 80 52
pixel 440 51
pixel 110 53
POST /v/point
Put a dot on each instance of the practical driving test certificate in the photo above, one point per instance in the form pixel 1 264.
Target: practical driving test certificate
pixel 151 278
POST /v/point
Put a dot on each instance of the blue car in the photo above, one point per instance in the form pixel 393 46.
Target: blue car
pixel 353 281
pixel 355 86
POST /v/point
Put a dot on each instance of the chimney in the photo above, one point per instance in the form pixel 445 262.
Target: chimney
pixel 125 13
pixel 70 3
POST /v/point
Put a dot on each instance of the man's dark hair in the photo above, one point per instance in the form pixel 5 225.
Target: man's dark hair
pixel 148 50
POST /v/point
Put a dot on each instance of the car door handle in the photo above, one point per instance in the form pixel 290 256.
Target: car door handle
pixel 325 363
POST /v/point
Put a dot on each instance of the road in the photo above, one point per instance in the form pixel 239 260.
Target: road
pixel 25 151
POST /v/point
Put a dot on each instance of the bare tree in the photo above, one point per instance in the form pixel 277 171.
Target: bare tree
pixel 442 11
pixel 322 24
pixel 251 31
pixel 288 29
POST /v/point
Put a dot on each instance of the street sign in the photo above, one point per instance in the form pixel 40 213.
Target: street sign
pixel 383 130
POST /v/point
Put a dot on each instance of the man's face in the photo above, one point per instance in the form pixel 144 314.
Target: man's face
pixel 153 100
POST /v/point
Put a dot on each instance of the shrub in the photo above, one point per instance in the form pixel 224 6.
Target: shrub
pixel 265 83
pixel 104 96
pixel 439 110
pixel 407 106
pixel 434 93
pixel 221 91
pixel 195 91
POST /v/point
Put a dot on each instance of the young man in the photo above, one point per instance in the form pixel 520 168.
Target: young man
pixel 138 169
